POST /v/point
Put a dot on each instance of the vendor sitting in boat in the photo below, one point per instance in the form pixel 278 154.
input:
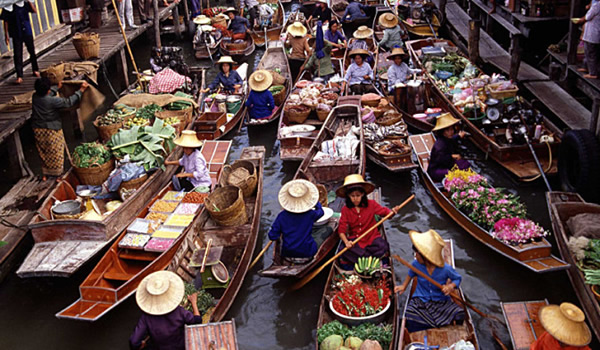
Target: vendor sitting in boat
pixel 294 225
pixel 565 329
pixel 392 34
pixel 429 306
pixel 359 75
pixel 321 12
pixel 358 215
pixel 354 10
pixel 239 25
pixel 195 173
pixel 360 42
pixel 320 60
pixel 162 326
pixel 228 78
pixel 444 155
pixel 399 71
pixel 260 101
pixel 334 35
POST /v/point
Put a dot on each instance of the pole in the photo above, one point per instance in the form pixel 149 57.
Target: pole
pixel 156 24
pixel 474 32
pixel 515 56
pixel 137 74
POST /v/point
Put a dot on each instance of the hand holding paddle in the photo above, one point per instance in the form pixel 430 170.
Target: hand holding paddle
pixel 203 266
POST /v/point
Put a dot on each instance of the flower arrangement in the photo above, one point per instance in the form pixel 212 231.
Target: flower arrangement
pixel 517 230
pixel 361 299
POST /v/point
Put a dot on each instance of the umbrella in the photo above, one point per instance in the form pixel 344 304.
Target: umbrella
pixel 319 44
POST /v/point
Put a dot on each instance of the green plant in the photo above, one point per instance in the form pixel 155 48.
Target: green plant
pixel 90 154
pixel 205 299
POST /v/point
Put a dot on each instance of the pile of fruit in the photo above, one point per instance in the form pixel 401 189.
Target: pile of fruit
pixel 367 266
pixel 135 121
pixel 171 121
pixel 115 115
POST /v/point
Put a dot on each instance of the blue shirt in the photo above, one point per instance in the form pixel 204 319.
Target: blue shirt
pixel 356 74
pixel 239 24
pixel 296 232
pixel 427 291
pixel 260 104
pixel 354 11
pixel 335 37
pixel 18 21
pixel 227 81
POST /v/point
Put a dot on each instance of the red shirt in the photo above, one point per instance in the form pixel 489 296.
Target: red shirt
pixel 353 223
pixel 547 342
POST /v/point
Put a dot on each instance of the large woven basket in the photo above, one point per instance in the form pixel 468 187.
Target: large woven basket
pixel 54 73
pixel 95 175
pixel 226 206
pixel 322 114
pixel 279 97
pixel 245 180
pixel 183 114
pixel 387 121
pixel 295 116
pixel 87 45
pixel 370 103
pixel 105 132
pixel 134 184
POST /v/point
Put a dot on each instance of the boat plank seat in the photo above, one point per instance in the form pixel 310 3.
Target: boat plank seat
pixel 137 255
pixel 522 322
pixel 87 310
pixel 117 275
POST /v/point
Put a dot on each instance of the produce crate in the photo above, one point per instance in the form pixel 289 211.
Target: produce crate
pixel 501 95
pixel 210 121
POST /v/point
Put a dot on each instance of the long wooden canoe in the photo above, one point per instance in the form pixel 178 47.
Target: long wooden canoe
pixel 536 256
pixel 330 175
pixel 563 206
pixel 516 158
pixel 238 243
pixel 205 49
pixel 522 320
pixel 391 318
pixel 443 336
pixel 274 30
pixel 217 335
pixel 274 58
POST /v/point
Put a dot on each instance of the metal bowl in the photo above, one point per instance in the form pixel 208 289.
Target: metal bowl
pixel 68 207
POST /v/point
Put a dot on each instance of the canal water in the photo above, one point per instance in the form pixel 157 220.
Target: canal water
pixel 266 314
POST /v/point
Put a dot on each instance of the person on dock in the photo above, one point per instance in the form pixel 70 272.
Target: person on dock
pixel 18 27
pixel 228 78
pixel 260 100
pixel 358 215
pixel 238 25
pixel 360 41
pixel 444 155
pixel 162 325
pixel 252 7
pixel 321 12
pixel 47 125
pixel 334 35
pixel 126 14
pixel 429 306
pixel 392 34
pixel 195 173
pixel 359 75
pixel 354 10
pixel 591 40
pixel 399 71
pixel 564 329
pixel 295 223
pixel 320 60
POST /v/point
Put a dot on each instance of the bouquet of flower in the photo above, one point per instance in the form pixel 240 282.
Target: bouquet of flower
pixel 361 299
pixel 517 230
pixel 457 179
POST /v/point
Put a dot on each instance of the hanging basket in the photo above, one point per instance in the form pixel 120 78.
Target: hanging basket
pixel 242 174
pixel 226 206
pixel 87 45
pixel 95 175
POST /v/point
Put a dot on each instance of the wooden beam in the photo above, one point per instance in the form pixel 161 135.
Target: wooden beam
pixel 442 7
pixel 515 56
pixel 156 23
pixel 474 31
pixel 124 68
pixel 573 39
pixel 176 22
pixel 594 116
pixel 16 156
pixel 186 14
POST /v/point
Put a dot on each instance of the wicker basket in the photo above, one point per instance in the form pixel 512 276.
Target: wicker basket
pixel 54 73
pixel 278 79
pixel 246 181
pixel 95 176
pixel 322 114
pixel 87 45
pixel 133 184
pixel 280 96
pixel 501 95
pixel 226 206
pixel 323 195
pixel 370 103
pixel 183 114
pixel 105 132
pixel 389 121
pixel 296 116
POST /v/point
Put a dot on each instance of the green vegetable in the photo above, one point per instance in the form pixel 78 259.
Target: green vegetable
pixel 90 154
pixel 332 328
pixel 147 112
pixel 205 299
pixel 3 243
pixel 332 342
pixel 353 343
pixel 380 333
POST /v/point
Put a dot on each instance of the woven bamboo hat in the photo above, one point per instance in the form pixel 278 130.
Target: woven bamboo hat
pixel 354 180
pixel 231 9
pixel 202 19
pixel 226 59
pixel 160 293
pixel 388 20
pixel 443 121
pixel 260 80
pixel 297 29
pixel 363 32
pixel 298 196
pixel 566 323
pixel 396 51
pixel 430 244
pixel 188 138
pixel 361 52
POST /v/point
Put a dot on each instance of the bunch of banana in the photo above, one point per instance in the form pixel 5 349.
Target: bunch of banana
pixel 367 266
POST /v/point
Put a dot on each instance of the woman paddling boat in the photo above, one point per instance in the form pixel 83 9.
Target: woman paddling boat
pixel 195 173
pixel 444 155
pixel 228 78
pixel 260 101
pixel 399 71
pixel 359 76
pixel 297 39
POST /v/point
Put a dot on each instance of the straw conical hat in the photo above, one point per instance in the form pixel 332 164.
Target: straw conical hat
pixel 160 293
pixel 443 121
pixel 202 19
pixel 396 51
pixel 354 180
pixel 566 323
pixel 231 9
pixel 260 80
pixel 363 32
pixel 226 59
pixel 430 244
pixel 297 29
pixel 355 52
pixel 298 196
pixel 388 20
pixel 188 138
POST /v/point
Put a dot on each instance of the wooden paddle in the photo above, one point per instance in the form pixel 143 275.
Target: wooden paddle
pixel 262 252
pixel 203 266
pixel 313 274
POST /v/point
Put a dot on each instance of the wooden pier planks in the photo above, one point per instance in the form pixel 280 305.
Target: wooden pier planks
pixel 218 335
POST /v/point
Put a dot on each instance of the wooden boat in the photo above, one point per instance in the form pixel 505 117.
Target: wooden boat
pixel 522 320
pixel 536 256
pixel 421 28
pixel 237 51
pixel 273 32
pixel 274 58
pixel 391 316
pixel 563 206
pixel 238 243
pixel 328 176
pixel 516 158
pixel 203 49
pixel 217 335
pixel 443 336
pixel 355 23
pixel 214 125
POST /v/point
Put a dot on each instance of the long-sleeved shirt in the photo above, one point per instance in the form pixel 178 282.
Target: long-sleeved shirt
pixel 399 74
pixel 356 74
pixel 295 230
pixel 425 290
pixel 196 165
pixel 248 3
pixel 392 37
pixel 239 24
pixel 299 46
pixel 358 44
pixel 227 81
pixel 45 110
pixel 18 21
pixel 260 104
pixel 441 155
pixel 167 332
pixel 354 10
pixel 547 342
pixel 322 15
pixel 334 37
pixel 354 224
pixel 591 33
pixel 324 64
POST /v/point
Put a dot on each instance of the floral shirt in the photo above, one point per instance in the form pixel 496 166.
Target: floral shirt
pixel 353 223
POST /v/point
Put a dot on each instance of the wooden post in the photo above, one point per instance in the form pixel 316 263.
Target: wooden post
pixel 186 15
pixel 554 71
pixel 176 22
pixel 124 68
pixel 16 157
pixel 442 8
pixel 574 32
pixel 594 116
pixel 474 31
pixel 515 56
pixel 156 24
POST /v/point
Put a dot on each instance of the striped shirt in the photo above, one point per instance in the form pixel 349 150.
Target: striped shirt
pixel 356 74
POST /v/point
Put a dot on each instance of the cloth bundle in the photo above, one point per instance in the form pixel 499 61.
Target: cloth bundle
pixel 167 81
pixel 340 148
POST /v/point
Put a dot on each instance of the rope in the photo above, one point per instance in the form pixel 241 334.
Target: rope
pixel 549 164
pixel 7 223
